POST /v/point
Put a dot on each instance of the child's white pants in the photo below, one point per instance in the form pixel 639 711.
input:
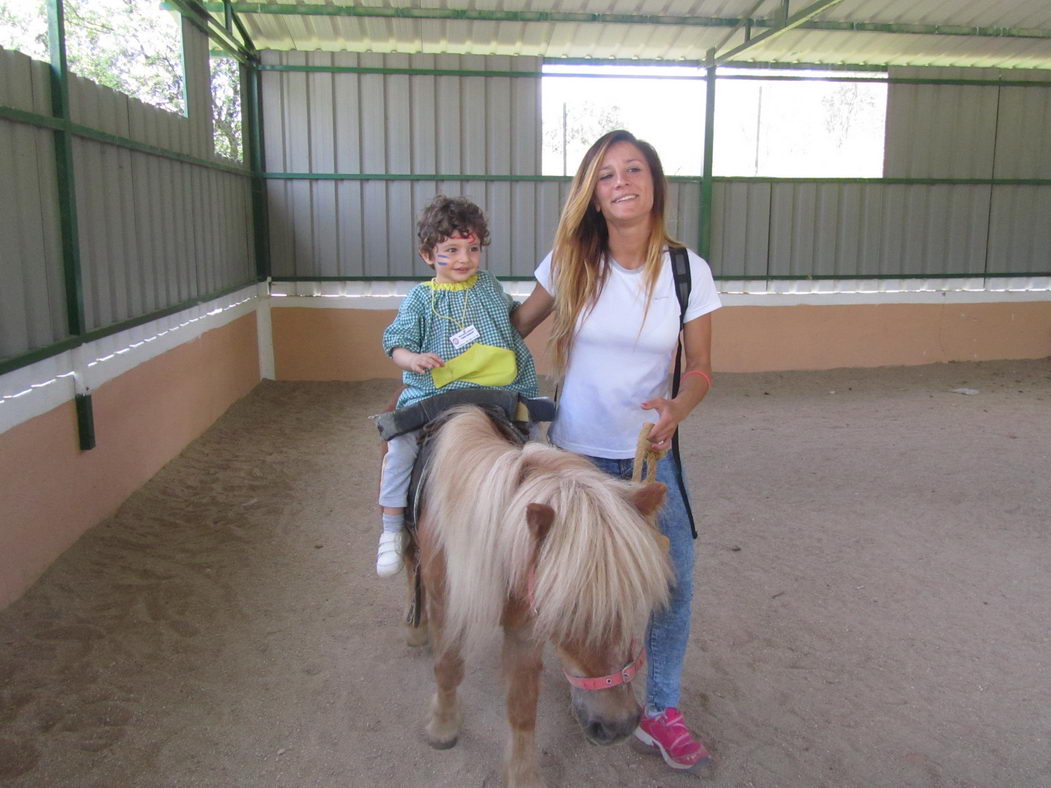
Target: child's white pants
pixel 397 469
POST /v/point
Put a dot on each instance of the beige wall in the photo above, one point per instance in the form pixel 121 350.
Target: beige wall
pixel 751 339
pixel 345 344
pixel 51 492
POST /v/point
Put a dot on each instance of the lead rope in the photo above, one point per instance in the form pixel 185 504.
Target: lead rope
pixel 646 455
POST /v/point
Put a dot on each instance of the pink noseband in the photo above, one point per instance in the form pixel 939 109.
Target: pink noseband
pixel 623 676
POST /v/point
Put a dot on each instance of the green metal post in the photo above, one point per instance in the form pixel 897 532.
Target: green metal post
pixel 254 140
pixel 67 201
pixel 67 204
pixel 704 246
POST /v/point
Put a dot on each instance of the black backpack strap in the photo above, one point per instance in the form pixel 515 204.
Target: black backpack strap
pixel 680 267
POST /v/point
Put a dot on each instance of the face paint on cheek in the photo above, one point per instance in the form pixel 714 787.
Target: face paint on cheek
pixel 441 259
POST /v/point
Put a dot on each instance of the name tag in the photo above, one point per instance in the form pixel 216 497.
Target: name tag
pixel 465 337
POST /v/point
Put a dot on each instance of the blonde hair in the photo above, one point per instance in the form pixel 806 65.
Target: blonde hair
pixel 582 243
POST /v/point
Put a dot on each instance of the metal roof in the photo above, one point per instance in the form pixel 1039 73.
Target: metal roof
pixel 961 33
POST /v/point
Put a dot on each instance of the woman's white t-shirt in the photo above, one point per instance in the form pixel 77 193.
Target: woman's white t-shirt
pixel 616 363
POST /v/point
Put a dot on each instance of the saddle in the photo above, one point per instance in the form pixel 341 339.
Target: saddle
pixel 511 413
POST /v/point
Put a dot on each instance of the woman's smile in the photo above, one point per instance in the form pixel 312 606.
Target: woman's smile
pixel 624 190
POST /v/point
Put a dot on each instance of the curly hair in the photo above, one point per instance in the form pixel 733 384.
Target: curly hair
pixel 448 217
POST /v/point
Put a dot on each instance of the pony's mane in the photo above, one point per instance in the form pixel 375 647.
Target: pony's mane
pixel 601 570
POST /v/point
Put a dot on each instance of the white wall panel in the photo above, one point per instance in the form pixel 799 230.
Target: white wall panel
pixel 1020 230
pixel 740 228
pixel 407 125
pixel 850 229
pixel 154 232
pixel 396 125
pixel 1023 131
pixel 941 131
pixel 32 299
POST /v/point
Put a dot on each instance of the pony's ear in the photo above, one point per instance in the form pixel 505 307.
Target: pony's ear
pixel 649 499
pixel 540 518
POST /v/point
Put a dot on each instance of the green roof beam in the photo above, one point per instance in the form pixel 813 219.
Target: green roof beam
pixel 791 23
pixel 745 23
pixel 494 15
pixel 201 18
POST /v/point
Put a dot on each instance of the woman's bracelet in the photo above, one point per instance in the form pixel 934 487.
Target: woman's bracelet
pixel 700 372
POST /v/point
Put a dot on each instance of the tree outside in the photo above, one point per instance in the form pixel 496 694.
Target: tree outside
pixel 131 46
pixel 567 139
pixel 226 106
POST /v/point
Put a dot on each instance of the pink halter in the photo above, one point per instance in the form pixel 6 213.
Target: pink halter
pixel 623 676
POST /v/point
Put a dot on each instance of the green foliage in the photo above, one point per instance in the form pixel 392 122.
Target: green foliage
pixel 226 106
pixel 131 46
pixel 127 45
pixel 579 125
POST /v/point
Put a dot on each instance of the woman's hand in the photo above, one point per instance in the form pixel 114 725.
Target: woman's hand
pixel 416 362
pixel 671 413
pixel 697 342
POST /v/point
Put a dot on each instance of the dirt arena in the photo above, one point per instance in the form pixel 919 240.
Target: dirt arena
pixel 873 603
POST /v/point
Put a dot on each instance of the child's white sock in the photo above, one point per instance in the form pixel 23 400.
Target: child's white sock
pixel 393 523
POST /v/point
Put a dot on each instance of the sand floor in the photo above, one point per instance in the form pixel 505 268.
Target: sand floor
pixel 873 603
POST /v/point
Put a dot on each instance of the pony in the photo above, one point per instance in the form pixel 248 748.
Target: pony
pixel 539 542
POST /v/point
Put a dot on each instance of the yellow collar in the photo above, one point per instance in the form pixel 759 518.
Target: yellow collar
pixel 467 284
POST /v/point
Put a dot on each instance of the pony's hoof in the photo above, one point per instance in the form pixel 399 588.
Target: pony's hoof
pixel 416 637
pixel 443 744
pixel 443 727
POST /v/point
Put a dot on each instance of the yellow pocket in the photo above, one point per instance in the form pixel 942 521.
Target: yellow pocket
pixel 483 365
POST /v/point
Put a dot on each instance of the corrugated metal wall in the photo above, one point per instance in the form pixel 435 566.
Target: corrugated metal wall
pixel 328 122
pixel 850 229
pixel 399 124
pixel 33 290
pixel 934 132
pixel 154 232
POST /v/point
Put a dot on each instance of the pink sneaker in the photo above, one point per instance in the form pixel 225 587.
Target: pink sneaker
pixel 668 734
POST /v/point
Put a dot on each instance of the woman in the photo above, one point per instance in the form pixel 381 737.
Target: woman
pixel 609 283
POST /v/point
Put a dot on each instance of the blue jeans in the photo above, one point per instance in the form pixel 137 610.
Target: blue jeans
pixel 669 629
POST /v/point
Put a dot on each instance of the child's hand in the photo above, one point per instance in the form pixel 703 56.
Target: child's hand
pixel 422 362
pixel 416 362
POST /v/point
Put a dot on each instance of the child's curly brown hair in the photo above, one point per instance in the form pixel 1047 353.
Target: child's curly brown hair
pixel 447 217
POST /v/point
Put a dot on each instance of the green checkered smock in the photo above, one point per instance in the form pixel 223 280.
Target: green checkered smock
pixel 419 328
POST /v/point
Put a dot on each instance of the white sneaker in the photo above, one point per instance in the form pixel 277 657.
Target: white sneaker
pixel 388 557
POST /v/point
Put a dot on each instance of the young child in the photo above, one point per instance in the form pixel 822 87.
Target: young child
pixel 453 332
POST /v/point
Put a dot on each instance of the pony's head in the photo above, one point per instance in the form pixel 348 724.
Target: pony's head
pixel 600 571
pixel 543 532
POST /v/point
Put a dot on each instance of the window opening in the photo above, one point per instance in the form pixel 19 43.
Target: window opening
pixel 132 46
pixel 23 28
pixel 663 105
pixel 805 125
pixel 769 123
pixel 226 106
